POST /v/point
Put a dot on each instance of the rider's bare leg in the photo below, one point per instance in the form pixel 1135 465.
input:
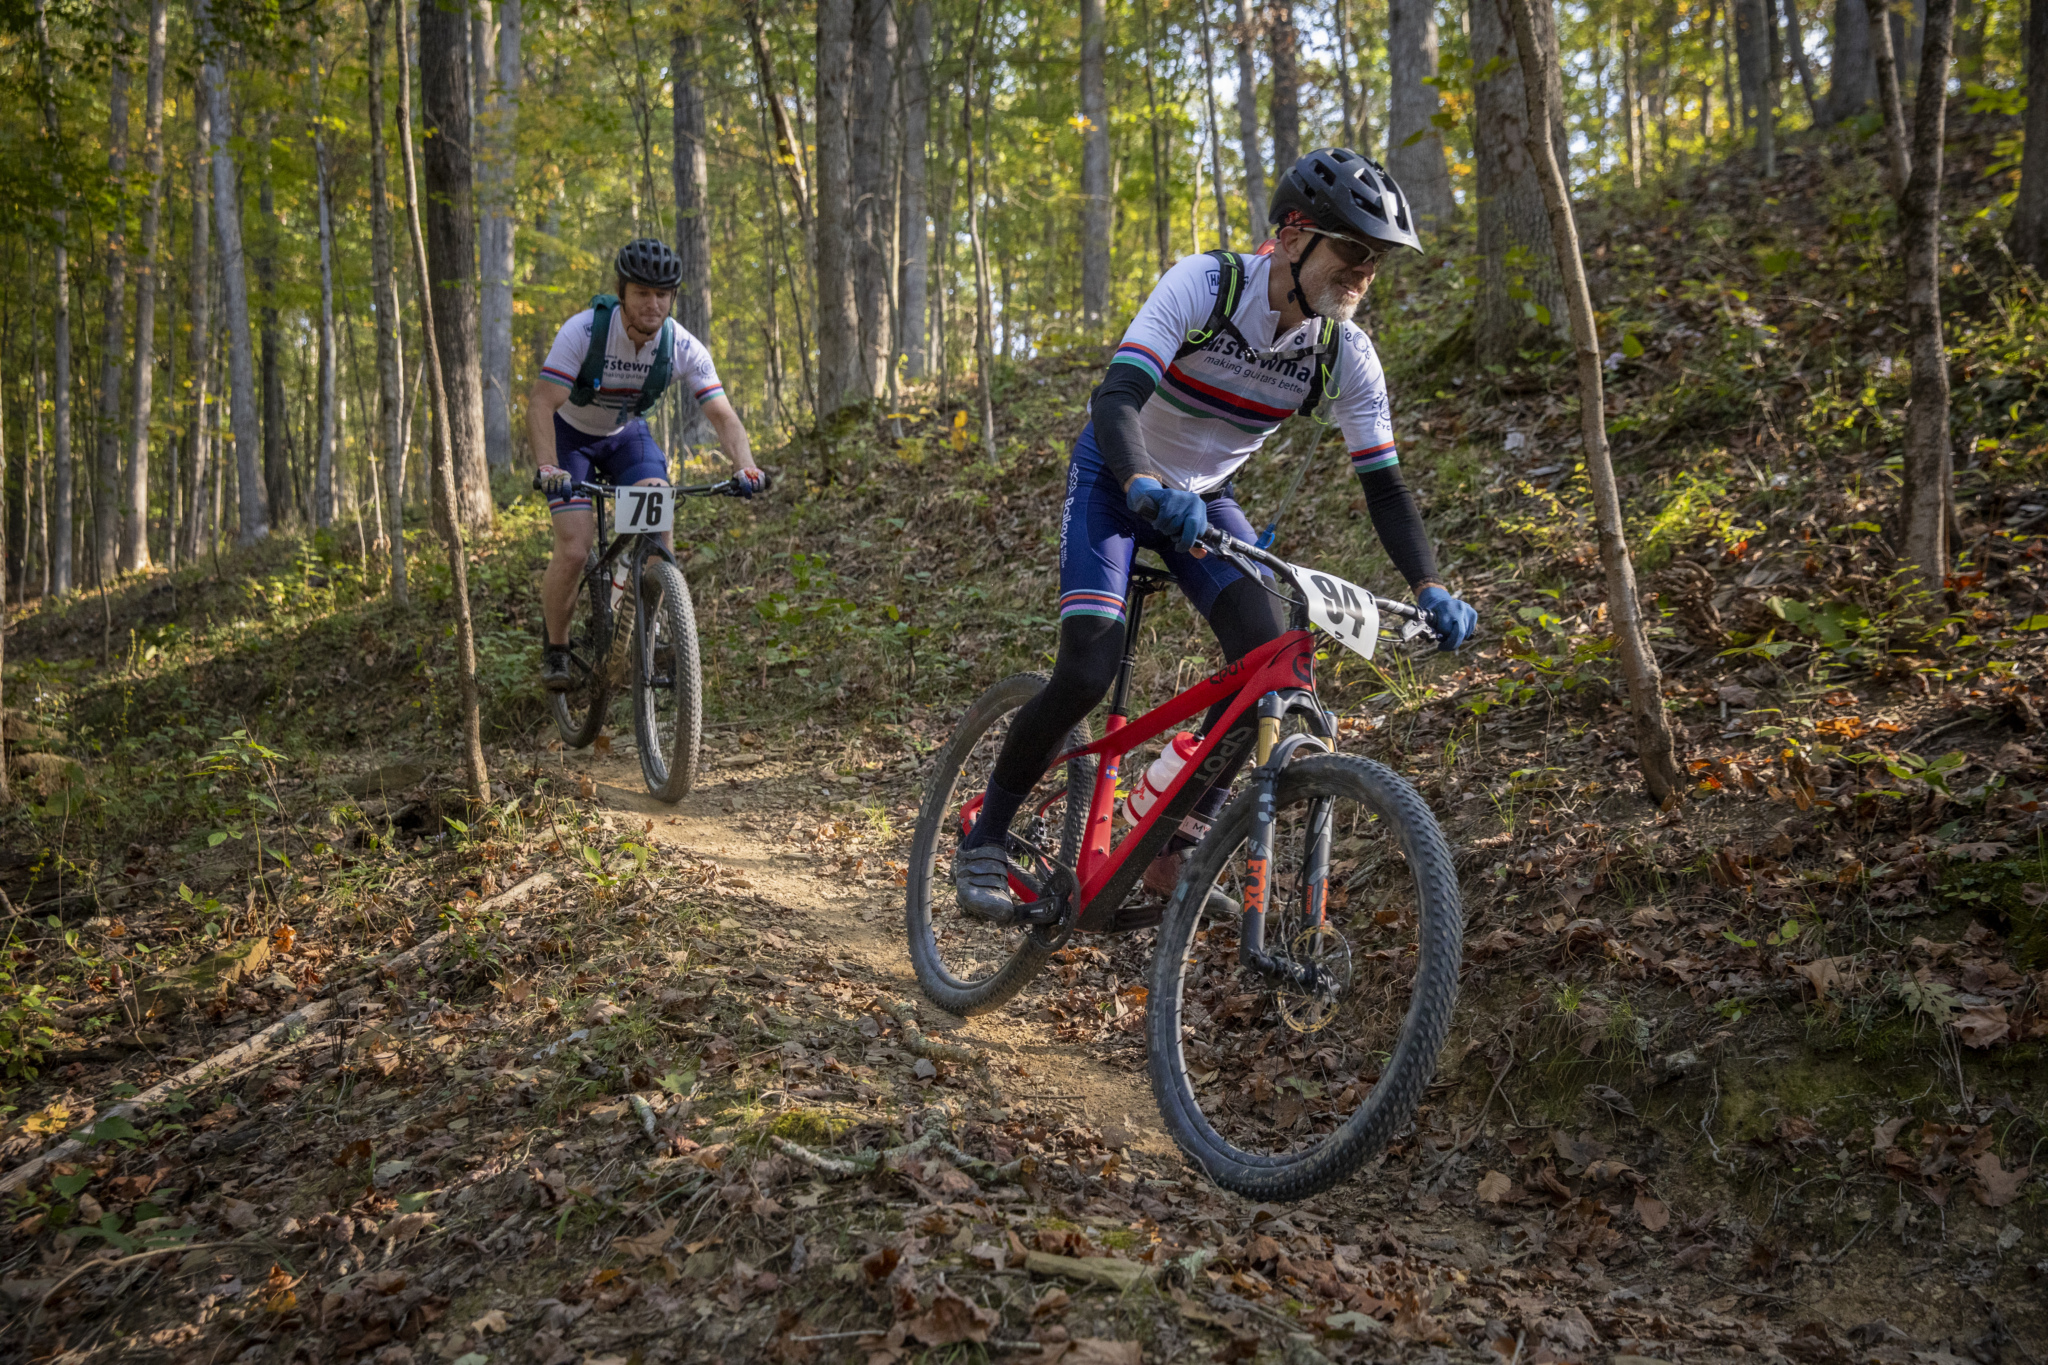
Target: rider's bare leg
pixel 575 529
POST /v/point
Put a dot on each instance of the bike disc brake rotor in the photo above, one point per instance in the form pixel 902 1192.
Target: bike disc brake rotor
pixel 1309 1009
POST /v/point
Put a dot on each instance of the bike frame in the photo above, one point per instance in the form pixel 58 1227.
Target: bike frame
pixel 1260 690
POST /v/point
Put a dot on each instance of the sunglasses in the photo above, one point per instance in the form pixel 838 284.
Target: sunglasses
pixel 1355 254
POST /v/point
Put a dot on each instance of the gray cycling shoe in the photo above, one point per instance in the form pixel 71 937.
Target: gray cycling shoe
pixel 981 879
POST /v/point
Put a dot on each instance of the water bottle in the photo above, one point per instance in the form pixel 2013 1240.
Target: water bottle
pixel 1159 776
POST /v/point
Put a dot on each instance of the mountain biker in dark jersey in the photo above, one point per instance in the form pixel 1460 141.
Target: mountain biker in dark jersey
pixel 575 437
pixel 1182 407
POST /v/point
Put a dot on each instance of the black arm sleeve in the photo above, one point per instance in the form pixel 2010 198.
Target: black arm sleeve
pixel 1399 523
pixel 1114 407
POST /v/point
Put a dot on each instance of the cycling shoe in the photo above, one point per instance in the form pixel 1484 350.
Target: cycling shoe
pixel 981 879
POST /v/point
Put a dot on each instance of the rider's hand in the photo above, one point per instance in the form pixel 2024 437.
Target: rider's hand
pixel 748 482
pixel 1452 618
pixel 1174 512
pixel 552 478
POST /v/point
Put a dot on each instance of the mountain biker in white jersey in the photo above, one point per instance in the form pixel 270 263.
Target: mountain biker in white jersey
pixel 583 418
pixel 1225 350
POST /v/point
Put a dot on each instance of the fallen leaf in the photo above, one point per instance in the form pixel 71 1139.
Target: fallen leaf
pixel 493 1321
pixel 1982 1025
pixel 647 1243
pixel 1101 1351
pixel 949 1319
pixel 407 1226
pixel 1493 1187
pixel 1993 1185
pixel 1654 1214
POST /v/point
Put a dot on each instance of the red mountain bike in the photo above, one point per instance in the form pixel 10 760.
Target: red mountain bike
pixel 1302 982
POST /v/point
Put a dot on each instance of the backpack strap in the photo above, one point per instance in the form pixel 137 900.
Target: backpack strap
pixel 1229 294
pixel 590 375
pixel 658 376
pixel 1323 373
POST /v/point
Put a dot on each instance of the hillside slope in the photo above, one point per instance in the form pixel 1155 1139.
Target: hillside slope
pixel 1762 1071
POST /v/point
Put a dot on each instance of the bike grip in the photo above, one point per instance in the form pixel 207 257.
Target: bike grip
pixel 1146 506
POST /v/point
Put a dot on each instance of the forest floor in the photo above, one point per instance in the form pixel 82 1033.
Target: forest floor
pixel 581 1077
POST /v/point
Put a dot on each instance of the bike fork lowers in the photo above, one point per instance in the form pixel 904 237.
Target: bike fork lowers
pixel 1258 880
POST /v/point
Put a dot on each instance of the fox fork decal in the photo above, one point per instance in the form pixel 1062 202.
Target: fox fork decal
pixel 1258 858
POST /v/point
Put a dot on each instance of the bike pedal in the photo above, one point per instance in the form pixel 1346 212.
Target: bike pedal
pixel 1143 915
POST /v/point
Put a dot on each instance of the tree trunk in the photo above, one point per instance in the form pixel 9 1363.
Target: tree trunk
pixel 1852 75
pixel 1162 213
pixel 253 508
pixel 984 321
pixel 1895 131
pixel 135 497
pixel 384 296
pixel 106 490
pixel 1632 98
pixel 60 327
pixel 1215 129
pixel 443 79
pixel 451 249
pixel 911 347
pixel 692 183
pixel 199 314
pixel 1753 29
pixel 495 219
pixel 1797 41
pixel 1095 202
pixel 1415 146
pixel 1256 201
pixel 2028 235
pixel 1925 494
pixel 873 183
pixel 1284 46
pixel 1519 288
pixel 840 383
pixel 1535 31
pixel 324 420
pixel 277 473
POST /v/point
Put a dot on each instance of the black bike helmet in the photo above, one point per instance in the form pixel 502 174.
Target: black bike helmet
pixel 647 261
pixel 1343 194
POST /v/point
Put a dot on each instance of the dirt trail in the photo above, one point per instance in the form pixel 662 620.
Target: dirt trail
pixel 859 919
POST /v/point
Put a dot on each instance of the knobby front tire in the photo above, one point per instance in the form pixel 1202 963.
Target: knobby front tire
pixel 966 967
pixel 1278 1093
pixel 668 691
pixel 580 711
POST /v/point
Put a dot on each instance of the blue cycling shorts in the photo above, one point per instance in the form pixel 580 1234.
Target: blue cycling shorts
pixel 1099 534
pixel 626 456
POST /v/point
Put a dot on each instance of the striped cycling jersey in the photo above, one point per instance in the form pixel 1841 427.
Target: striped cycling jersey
pixel 1216 405
pixel 625 370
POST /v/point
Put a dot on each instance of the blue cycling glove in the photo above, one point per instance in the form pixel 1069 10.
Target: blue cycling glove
pixel 1453 620
pixel 1175 513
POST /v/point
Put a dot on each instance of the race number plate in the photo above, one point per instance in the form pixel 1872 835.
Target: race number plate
pixel 639 509
pixel 1343 609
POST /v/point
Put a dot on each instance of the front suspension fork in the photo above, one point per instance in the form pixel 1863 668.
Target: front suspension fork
pixel 1315 882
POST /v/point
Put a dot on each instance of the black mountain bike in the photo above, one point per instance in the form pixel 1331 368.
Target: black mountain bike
pixel 632 626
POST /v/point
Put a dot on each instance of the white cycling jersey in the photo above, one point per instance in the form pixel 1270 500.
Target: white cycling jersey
pixel 625 370
pixel 1216 406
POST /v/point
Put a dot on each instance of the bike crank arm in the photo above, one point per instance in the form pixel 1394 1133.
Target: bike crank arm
pixel 1050 915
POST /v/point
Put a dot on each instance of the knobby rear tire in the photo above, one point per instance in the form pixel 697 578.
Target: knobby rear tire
pixel 1393 1100
pixel 665 616
pixel 580 713
pixel 929 889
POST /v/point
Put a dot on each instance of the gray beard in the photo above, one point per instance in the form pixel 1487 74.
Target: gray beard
pixel 1331 302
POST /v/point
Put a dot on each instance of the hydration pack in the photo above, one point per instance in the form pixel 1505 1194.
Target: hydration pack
pixel 1229 293
pixel 590 378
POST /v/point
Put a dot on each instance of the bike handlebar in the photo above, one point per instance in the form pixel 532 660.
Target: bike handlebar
pixel 1230 547
pixel 722 488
